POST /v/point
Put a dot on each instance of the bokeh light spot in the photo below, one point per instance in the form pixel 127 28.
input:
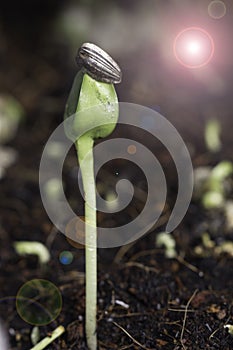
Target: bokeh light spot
pixel 66 257
pixel 132 149
pixel 38 302
pixel 193 47
pixel 217 9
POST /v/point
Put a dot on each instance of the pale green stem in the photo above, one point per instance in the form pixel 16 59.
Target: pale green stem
pixel 84 147
pixel 48 340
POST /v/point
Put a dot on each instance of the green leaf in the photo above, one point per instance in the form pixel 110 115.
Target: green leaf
pixel 97 109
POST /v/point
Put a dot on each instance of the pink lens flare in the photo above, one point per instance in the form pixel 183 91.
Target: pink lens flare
pixel 193 47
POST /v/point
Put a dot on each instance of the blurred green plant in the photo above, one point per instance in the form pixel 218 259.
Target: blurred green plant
pixel 49 339
pixel 212 135
pixel 11 114
pixel 166 240
pixel 210 184
pixel 33 248
pixel 230 328
pixel 214 197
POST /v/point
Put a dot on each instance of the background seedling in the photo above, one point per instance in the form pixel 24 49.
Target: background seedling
pixel 230 328
pixel 210 184
pixel 36 248
pixel 212 135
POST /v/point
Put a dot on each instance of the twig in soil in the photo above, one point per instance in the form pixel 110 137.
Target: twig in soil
pixel 51 237
pixel 130 336
pixel 124 249
pixel 144 253
pixel 126 347
pixel 106 346
pixel 185 317
pixel 191 267
pixel 48 340
pixel 133 314
pixel 141 266
pixel 214 332
pixel 218 329
pixel 181 310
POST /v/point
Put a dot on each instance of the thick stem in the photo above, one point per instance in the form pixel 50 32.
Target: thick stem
pixel 84 146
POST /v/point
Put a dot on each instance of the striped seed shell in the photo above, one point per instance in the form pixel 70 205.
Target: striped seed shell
pixel 98 64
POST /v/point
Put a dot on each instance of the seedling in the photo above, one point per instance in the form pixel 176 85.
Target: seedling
pixel 215 194
pixel 167 240
pixel 212 135
pixel 48 340
pixel 210 184
pixel 92 96
pixel 230 328
pixel 37 248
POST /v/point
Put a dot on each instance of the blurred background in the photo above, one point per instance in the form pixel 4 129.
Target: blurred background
pixel 39 42
pixel 176 57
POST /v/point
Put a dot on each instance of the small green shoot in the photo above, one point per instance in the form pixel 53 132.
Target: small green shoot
pixel 212 135
pixel 230 328
pixel 210 184
pixel 11 114
pixel 210 248
pixel 167 240
pixel 35 335
pixel 215 194
pixel 33 248
pixel 48 340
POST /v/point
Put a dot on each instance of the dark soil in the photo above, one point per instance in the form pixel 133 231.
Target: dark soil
pixel 145 300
